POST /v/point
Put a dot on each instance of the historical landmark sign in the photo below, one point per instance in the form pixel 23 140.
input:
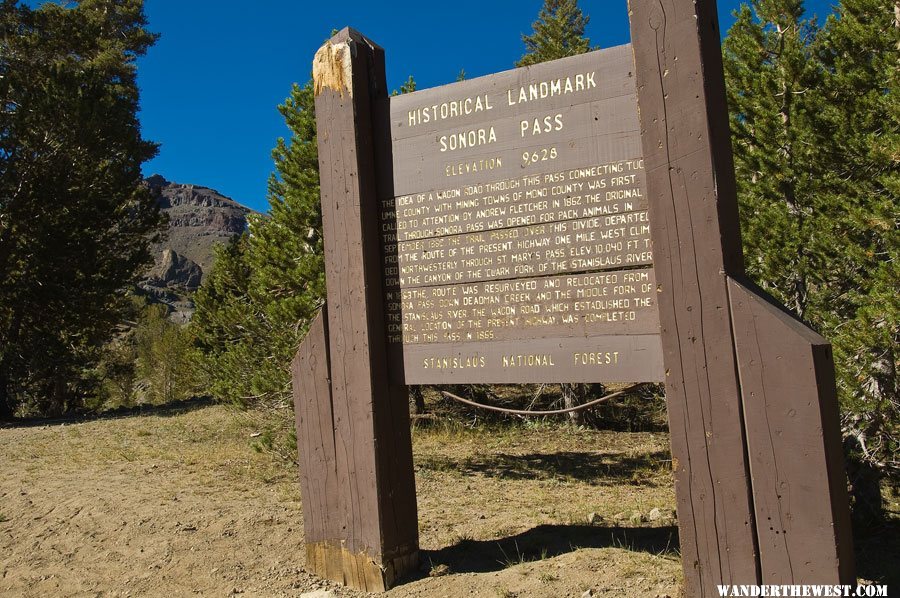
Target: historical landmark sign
pixel 574 221
pixel 515 228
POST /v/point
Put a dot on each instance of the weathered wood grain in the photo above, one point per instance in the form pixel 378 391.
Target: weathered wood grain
pixel 315 434
pixel 791 415
pixel 377 531
pixel 694 228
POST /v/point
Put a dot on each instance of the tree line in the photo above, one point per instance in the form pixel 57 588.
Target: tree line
pixel 815 119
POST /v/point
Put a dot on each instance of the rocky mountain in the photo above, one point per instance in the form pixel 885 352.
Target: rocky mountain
pixel 199 218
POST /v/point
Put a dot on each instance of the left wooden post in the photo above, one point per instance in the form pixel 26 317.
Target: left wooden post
pixel 356 469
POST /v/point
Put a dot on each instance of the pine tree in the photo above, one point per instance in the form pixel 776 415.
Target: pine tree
pixel 266 287
pixel 164 358
pixel 223 323
pixel 771 82
pixel 255 307
pixel 285 250
pixel 75 220
pixel 408 86
pixel 858 122
pixel 814 122
pixel 558 32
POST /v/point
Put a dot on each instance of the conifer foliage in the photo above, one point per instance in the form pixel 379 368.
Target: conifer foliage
pixel 815 120
pixel 558 32
pixel 859 121
pixel 408 86
pixel 75 221
pixel 256 306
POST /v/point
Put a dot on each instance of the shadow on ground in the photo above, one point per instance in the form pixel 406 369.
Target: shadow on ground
pixel 602 469
pixel 877 548
pixel 167 410
pixel 878 552
pixel 547 541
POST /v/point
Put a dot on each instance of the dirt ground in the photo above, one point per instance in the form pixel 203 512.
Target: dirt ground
pixel 183 503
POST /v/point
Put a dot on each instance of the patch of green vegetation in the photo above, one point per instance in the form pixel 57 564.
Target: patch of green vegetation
pixel 265 442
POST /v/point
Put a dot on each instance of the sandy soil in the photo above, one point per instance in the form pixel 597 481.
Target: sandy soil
pixel 179 504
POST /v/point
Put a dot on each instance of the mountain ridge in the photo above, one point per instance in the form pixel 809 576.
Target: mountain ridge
pixel 199 219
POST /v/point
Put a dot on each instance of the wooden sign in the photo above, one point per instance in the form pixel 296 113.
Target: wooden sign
pixel 574 221
pixel 515 229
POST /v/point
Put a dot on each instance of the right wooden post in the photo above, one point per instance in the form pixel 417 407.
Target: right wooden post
pixel 752 408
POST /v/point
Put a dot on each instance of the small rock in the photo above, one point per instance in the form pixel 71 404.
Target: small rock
pixel 588 594
pixel 319 594
pixel 637 518
pixel 594 518
pixel 656 514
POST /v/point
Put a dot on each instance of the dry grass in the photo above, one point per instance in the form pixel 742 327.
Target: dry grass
pixel 203 501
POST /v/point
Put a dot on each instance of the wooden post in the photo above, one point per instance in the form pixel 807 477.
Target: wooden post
pixel 353 427
pixel 694 228
pixel 728 488
pixel 793 434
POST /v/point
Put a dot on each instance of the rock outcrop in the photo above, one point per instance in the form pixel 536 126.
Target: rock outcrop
pixel 173 270
pixel 199 218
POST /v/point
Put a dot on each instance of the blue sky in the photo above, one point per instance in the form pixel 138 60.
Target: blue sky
pixel 210 86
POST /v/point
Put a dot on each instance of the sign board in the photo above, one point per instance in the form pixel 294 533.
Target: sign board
pixel 515 229
pixel 574 221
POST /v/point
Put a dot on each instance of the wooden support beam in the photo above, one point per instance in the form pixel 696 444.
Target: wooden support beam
pixel 317 444
pixel 794 440
pixel 694 227
pixel 359 494
pixel 759 474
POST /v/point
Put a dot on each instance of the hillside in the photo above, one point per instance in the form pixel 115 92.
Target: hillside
pixel 199 218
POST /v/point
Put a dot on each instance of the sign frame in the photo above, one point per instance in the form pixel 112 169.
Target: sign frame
pixel 753 415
